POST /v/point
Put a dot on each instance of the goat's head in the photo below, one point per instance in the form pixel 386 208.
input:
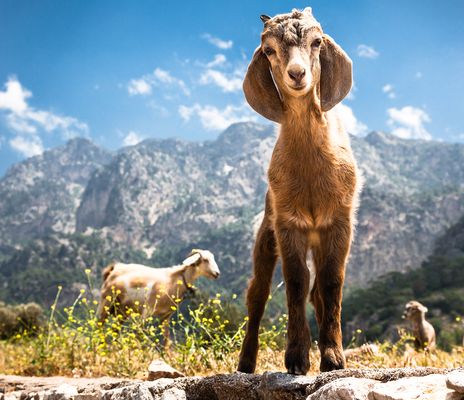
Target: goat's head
pixel 204 262
pixel 414 310
pixel 295 58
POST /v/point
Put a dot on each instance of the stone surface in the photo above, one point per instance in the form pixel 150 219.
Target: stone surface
pixel 344 389
pixel 431 387
pixel 455 380
pixel 159 369
pixel 362 384
pixel 64 391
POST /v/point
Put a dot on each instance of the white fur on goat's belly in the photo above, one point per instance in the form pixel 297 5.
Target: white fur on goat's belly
pixel 138 293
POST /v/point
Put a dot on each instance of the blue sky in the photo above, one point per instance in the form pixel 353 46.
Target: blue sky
pixel 121 71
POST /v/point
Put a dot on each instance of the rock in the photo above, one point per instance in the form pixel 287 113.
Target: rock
pixel 345 389
pixel 159 369
pixel 362 384
pixel 174 394
pixel 235 386
pixel 431 387
pixel 283 386
pixel 455 380
pixel 62 392
pixel 135 391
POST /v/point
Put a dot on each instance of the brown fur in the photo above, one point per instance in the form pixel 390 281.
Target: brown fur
pixel 423 331
pixel 313 186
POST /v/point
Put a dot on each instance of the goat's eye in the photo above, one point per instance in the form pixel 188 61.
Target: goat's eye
pixel 316 43
pixel 269 51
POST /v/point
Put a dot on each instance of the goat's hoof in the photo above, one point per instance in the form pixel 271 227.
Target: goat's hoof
pixel 332 358
pixel 297 361
pixel 246 366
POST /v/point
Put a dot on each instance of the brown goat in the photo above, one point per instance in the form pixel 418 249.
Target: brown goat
pixel 296 76
pixel 423 331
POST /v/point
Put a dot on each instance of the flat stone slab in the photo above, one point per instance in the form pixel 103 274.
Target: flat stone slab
pixel 159 369
pixel 360 384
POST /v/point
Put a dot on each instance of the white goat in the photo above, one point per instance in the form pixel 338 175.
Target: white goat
pixel 152 291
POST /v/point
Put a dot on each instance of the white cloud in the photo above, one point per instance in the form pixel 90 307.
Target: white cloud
pixel 215 119
pixel 144 85
pixel 389 90
pixel 219 59
pixel 408 122
pixel 14 97
pixel 27 146
pixel 219 43
pixel 366 51
pixel 350 122
pixel 227 82
pixel 139 86
pixel 418 75
pixel 132 138
pixel 24 119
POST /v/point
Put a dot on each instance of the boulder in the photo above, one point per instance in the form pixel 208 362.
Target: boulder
pixel 344 389
pixel 455 380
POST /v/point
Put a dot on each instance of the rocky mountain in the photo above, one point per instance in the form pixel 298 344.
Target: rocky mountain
pixel 166 196
pixel 40 195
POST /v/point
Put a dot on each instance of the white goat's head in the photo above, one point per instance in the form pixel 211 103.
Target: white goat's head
pixel 414 310
pixel 204 263
pixel 295 57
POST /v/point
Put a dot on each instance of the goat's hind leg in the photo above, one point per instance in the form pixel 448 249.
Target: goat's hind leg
pixel 264 260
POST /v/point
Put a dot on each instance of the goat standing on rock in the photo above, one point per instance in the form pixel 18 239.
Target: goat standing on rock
pixel 296 76
pixel 152 291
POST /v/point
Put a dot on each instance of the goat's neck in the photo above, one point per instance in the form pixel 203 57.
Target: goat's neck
pixel 304 122
pixel 416 322
pixel 187 275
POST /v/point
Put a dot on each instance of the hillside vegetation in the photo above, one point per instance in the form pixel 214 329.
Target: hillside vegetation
pixel 438 284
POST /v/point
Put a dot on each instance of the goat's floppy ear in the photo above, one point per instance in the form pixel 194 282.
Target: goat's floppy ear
pixel 336 74
pixel 192 259
pixel 422 308
pixel 260 90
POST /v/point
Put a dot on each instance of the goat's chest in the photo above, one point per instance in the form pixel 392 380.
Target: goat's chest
pixel 311 186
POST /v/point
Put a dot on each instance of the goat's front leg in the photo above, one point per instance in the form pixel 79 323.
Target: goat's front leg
pixel 330 259
pixel 293 245
pixel 264 260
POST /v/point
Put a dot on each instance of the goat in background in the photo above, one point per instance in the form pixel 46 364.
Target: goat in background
pixel 296 76
pixel 423 331
pixel 152 291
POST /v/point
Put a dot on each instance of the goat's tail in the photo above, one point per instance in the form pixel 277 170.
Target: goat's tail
pixel 107 271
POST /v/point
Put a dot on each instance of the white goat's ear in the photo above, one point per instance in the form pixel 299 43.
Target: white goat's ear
pixel 336 74
pixel 192 260
pixel 260 90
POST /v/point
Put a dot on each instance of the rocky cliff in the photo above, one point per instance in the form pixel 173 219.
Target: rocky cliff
pixel 167 196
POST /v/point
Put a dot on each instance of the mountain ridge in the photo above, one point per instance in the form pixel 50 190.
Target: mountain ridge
pixel 166 196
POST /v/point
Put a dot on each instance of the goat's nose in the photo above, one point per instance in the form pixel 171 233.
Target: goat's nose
pixel 296 73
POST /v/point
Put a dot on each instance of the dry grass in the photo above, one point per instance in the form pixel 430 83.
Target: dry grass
pixel 204 342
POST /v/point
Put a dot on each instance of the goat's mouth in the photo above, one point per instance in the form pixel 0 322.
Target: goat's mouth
pixel 298 89
pixel 214 275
